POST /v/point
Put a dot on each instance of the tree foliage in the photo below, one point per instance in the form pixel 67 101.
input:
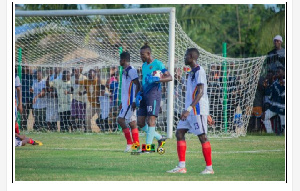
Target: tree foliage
pixel 248 30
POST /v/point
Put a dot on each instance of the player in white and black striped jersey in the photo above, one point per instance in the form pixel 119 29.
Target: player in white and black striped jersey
pixel 130 88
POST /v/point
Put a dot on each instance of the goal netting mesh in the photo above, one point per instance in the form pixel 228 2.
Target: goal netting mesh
pixel 49 48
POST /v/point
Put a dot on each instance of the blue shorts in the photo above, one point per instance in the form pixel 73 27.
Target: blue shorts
pixel 150 103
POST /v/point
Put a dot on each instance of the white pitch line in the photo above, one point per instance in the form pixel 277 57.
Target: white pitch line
pixel 214 152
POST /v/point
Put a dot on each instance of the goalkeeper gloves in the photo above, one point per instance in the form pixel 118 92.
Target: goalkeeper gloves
pixel 151 79
pixel 138 99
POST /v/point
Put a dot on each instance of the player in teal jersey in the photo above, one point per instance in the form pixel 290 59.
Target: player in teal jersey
pixel 150 97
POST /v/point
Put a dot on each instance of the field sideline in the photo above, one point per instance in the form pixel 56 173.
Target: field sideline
pixel 100 157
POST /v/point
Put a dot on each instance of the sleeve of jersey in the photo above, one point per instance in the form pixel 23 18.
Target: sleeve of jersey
pixel 162 67
pixel 17 83
pixel 199 77
pixel 133 74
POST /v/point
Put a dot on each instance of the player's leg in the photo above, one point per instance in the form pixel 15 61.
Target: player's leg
pixel 181 147
pixel 200 127
pixel 131 119
pixel 266 120
pixel 122 122
pixel 153 100
pixel 126 132
pixel 142 114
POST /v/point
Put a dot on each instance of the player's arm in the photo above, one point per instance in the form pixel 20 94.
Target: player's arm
pixel 166 77
pixel 186 113
pixel 137 89
pixel 19 92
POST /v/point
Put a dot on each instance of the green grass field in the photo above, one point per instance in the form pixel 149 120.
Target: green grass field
pixel 100 157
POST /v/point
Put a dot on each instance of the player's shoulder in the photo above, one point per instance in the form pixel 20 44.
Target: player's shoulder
pixel 156 61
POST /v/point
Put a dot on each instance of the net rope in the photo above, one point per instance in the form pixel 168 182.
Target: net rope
pixel 58 43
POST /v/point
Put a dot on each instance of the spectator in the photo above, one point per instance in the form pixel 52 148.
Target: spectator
pixel 39 101
pixel 102 121
pixel 52 115
pixel 277 97
pixel 78 107
pixel 64 89
pixel 57 74
pixel 276 57
pixel 92 88
pixel 114 90
pixel 27 81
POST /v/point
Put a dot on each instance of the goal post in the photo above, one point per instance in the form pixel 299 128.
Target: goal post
pixel 61 41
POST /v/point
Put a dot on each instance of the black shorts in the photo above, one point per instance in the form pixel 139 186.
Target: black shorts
pixel 150 103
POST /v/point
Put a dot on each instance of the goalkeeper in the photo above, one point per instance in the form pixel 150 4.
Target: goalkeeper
pixel 150 98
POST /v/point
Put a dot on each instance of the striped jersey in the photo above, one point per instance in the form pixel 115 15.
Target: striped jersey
pixel 196 77
pixel 128 87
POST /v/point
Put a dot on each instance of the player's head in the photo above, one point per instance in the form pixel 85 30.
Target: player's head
pixel 66 75
pixel 145 52
pixel 124 59
pixel 92 74
pixel 191 56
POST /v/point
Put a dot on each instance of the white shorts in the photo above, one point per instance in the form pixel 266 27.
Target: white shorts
pixel 127 113
pixel 18 142
pixel 196 124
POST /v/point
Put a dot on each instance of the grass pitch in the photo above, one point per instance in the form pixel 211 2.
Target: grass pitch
pixel 100 157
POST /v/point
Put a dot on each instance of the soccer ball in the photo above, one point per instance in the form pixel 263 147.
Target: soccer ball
pixel 160 150
pixel 157 73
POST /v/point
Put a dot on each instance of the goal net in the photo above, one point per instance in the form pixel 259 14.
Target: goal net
pixel 56 51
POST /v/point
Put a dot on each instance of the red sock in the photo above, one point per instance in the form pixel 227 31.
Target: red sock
pixel 31 141
pixel 206 150
pixel 17 128
pixel 181 148
pixel 135 135
pixel 127 136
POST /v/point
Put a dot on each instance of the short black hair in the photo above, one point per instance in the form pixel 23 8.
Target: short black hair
pixel 125 55
pixel 146 46
pixel 64 74
pixel 195 53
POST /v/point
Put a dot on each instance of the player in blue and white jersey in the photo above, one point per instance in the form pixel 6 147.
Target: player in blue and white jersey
pixel 151 94
pixel 194 118
pixel 130 88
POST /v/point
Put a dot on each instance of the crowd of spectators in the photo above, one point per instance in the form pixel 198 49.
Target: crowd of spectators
pixel 69 99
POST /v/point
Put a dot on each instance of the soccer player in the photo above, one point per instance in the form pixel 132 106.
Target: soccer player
pixel 194 118
pixel 20 140
pixel 151 94
pixel 130 88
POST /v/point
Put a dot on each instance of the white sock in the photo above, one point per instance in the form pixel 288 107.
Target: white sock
pixel 181 164
pixel 209 167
